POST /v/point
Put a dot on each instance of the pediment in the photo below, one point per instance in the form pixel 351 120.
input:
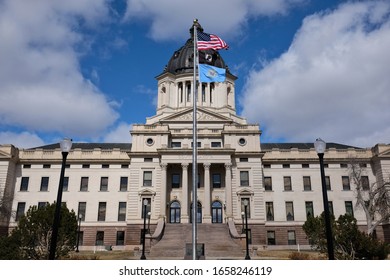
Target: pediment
pixel 245 192
pixel 146 192
pixel 203 115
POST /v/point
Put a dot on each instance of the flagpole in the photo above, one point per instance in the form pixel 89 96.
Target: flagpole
pixel 194 150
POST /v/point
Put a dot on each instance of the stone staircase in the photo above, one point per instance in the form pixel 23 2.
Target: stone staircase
pixel 216 239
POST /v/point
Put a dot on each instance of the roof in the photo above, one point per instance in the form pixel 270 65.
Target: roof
pixel 88 146
pixel 302 146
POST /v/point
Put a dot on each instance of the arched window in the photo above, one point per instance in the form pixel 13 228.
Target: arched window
pixel 174 212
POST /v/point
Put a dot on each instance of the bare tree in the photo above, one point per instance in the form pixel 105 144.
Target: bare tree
pixel 373 198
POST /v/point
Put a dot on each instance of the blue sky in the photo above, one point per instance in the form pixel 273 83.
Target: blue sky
pixel 86 69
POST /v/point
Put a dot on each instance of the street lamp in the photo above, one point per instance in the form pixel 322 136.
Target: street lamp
pixel 78 233
pixel 242 219
pixel 247 257
pixel 149 215
pixel 65 145
pixel 320 147
pixel 144 230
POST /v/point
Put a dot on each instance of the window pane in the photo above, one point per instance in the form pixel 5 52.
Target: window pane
pixel 309 209
pixel 24 184
pixel 103 184
pixel 44 184
pixel 176 180
pixel 84 184
pixel 120 238
pixel 216 180
pixel 291 237
pixel 269 210
pixel 81 211
pixel 123 184
pixel 248 207
pixel 365 183
pixel 102 211
pixel 327 182
pixel 271 238
pixel 20 210
pixel 306 183
pixel 287 183
pixel 346 184
pixel 289 211
pixel 268 183
pixel 122 211
pixel 244 178
pixel 349 208
pixel 147 178
pixel 66 184
pixel 99 238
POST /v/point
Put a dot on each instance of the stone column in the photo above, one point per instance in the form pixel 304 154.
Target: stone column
pixel 207 193
pixel 228 190
pixel 163 194
pixel 184 185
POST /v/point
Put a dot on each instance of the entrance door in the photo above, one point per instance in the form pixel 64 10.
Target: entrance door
pixel 216 212
pixel 174 216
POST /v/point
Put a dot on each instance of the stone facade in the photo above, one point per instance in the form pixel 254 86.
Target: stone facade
pixel 108 182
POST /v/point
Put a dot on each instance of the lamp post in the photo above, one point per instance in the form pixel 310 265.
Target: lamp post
pixel 78 233
pixel 247 257
pixel 65 145
pixel 320 147
pixel 243 225
pixel 149 215
pixel 145 202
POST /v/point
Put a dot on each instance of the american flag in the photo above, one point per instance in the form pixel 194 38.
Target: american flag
pixel 210 41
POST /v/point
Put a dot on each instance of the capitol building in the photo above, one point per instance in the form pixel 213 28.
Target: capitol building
pixel 106 184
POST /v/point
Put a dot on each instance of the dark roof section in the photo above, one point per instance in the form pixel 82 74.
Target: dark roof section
pixel 302 146
pixel 182 60
pixel 89 146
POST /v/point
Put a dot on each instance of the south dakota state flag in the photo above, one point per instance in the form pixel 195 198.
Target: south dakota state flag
pixel 209 74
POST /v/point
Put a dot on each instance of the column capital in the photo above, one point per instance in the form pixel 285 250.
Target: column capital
pixel 228 165
pixel 164 166
pixel 206 165
pixel 184 165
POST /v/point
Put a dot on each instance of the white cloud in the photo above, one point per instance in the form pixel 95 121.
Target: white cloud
pixel 332 82
pixel 41 84
pixel 21 140
pixel 224 17
pixel 120 134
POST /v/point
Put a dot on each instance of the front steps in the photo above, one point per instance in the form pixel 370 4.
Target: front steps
pixel 215 237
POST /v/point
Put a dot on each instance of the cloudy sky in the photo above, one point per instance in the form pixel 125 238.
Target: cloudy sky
pixel 86 69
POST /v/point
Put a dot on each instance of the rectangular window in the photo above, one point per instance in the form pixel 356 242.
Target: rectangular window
pixel 104 184
pixel 343 165
pixel 147 179
pixel 349 208
pixel 291 237
pixel 176 180
pixel 365 183
pixel 99 238
pixel 309 209
pixel 84 184
pixel 120 238
pixel 46 166
pixel 268 183
pixel 248 207
pixel 289 211
pixel 26 165
pixel 199 144
pixel 306 183
pixel 244 178
pixel 20 210
pixel 86 165
pixel 42 204
pixel 243 159
pixel 216 180
pixel 148 207
pixel 346 184
pixel 176 145
pixel 327 183
pixel 105 166
pixel 269 208
pixel 24 184
pixel 44 184
pixel 102 211
pixel 122 211
pixel 125 166
pixel 305 165
pixel 286 165
pixel 123 184
pixel 148 159
pixel 66 184
pixel 271 237
pixel 216 144
pixel 287 183
pixel 82 210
